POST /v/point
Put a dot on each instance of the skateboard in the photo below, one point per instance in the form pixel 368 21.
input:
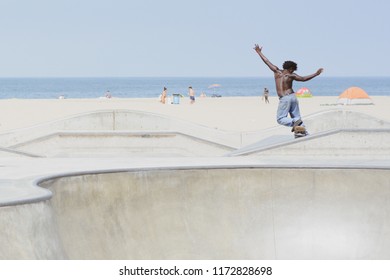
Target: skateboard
pixel 300 131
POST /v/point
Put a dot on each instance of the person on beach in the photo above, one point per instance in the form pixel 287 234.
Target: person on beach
pixel 265 95
pixel 107 94
pixel 191 93
pixel 163 95
pixel 288 102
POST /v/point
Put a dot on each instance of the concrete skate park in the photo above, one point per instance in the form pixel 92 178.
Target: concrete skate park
pixel 119 184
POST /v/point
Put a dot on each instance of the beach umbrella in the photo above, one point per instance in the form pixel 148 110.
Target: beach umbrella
pixel 304 92
pixel 214 86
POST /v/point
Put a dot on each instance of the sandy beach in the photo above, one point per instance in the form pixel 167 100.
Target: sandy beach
pixel 226 113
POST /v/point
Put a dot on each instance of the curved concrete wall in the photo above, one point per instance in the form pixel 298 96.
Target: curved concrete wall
pixel 207 214
pixel 29 231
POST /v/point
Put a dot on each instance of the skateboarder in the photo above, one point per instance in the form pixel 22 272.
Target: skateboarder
pixel 288 103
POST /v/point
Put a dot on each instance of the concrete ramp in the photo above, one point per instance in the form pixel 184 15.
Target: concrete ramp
pixel 324 121
pixel 119 144
pixel 264 144
pixel 120 121
pixel 7 152
pixel 342 119
pixel 340 143
pixel 334 133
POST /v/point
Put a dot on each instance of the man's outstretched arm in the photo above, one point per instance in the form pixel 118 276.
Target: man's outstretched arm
pixel 309 77
pixel 266 61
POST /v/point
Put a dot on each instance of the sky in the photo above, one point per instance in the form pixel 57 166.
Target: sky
pixel 202 38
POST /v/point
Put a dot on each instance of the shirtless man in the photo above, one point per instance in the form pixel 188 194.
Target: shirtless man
pixel 191 93
pixel 288 103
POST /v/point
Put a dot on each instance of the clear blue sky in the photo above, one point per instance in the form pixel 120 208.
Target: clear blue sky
pixel 93 38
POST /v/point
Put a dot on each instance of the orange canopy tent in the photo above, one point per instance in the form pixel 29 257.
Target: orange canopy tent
pixel 354 95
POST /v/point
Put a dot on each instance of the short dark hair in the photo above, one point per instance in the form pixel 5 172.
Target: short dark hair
pixel 290 64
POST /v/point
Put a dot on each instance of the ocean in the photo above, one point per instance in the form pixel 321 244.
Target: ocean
pixel 150 87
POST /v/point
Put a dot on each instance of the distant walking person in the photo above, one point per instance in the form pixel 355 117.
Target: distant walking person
pixel 163 96
pixel 265 95
pixel 191 93
pixel 288 102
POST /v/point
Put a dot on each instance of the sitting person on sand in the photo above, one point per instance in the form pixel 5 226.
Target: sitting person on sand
pixel 108 94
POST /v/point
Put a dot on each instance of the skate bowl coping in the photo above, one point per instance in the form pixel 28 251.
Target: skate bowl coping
pixel 195 213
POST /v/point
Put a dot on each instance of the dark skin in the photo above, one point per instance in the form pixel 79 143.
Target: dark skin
pixel 284 78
